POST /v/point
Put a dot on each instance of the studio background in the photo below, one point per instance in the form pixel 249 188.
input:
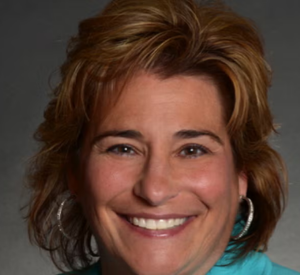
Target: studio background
pixel 33 36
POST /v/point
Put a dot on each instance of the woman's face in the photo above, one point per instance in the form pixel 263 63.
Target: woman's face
pixel 157 178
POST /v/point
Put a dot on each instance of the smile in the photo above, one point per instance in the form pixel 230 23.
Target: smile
pixel 161 224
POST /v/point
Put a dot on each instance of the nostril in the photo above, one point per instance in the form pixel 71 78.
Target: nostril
pixel 154 194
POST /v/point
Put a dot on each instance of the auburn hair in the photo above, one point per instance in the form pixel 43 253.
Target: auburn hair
pixel 168 38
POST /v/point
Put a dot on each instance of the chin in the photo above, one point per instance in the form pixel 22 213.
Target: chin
pixel 157 266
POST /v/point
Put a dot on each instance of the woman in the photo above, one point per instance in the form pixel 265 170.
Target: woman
pixel 155 146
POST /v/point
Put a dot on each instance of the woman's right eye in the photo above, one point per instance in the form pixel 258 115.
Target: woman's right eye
pixel 121 149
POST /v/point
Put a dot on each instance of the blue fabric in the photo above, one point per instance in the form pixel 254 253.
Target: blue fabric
pixel 254 264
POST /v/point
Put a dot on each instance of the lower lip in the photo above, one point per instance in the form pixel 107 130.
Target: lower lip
pixel 165 233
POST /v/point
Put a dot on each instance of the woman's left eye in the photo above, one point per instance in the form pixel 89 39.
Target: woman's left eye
pixel 193 151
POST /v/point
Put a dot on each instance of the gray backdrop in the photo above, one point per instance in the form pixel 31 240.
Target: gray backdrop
pixel 33 38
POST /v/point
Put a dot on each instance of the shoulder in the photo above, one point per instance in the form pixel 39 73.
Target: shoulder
pixel 255 263
pixel 280 270
pixel 267 267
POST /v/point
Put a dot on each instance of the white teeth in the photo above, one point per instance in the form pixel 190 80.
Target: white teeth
pixel 157 224
pixel 135 221
pixel 177 221
pixel 151 224
pixel 161 224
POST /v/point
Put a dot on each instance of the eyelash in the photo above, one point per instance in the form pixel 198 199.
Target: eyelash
pixel 115 149
pixel 195 150
pixel 202 150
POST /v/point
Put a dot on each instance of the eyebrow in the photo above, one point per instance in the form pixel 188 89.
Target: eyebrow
pixel 187 134
pixel 116 133
pixel 133 134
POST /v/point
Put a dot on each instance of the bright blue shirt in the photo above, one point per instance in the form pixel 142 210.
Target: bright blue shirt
pixel 255 263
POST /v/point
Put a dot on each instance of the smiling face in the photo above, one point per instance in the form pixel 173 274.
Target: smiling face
pixel 157 178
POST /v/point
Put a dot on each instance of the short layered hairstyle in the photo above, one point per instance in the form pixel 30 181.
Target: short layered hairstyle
pixel 167 38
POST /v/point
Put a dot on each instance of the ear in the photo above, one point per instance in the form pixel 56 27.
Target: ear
pixel 243 183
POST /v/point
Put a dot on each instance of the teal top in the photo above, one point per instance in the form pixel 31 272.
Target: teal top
pixel 255 263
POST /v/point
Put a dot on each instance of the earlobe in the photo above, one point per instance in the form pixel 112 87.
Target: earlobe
pixel 243 184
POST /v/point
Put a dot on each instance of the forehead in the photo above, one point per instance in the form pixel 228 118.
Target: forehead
pixel 178 100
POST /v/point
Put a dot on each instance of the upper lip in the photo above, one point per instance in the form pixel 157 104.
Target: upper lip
pixel 156 216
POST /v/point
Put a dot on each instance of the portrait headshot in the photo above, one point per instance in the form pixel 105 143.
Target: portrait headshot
pixel 150 137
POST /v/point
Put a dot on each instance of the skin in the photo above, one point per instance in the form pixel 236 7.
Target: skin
pixel 158 169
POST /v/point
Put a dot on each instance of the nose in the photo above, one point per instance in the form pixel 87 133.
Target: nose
pixel 156 185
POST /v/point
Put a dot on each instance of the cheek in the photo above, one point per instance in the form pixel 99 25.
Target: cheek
pixel 103 180
pixel 213 181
